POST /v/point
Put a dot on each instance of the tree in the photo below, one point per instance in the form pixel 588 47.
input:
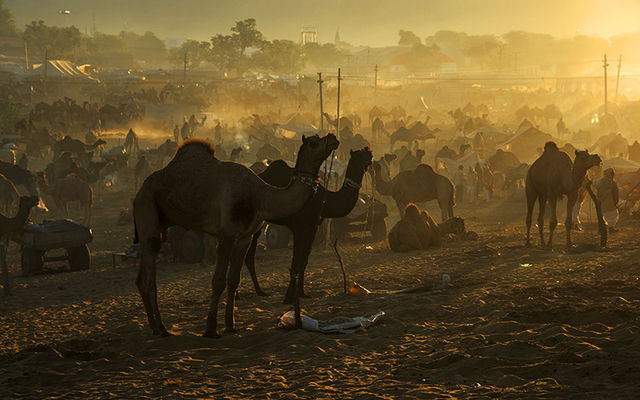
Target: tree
pixel 246 34
pixel 197 53
pixel 324 56
pixel 225 52
pixel 282 56
pixel 147 47
pixel 408 38
pixel 57 42
pixel 106 50
pixel 7 24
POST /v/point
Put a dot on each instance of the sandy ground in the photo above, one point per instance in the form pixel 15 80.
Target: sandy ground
pixel 515 322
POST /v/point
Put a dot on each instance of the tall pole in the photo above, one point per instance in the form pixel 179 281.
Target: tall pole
pixel 338 111
pixel 184 72
pixel 618 79
pixel 26 55
pixel 605 65
pixel 321 106
pixel 46 63
pixel 375 80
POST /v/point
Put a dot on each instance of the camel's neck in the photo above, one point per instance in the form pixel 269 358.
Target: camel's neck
pixel 382 186
pixel 278 203
pixel 339 204
pixel 577 177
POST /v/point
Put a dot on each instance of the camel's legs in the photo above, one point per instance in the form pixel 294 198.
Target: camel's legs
pixel 531 201
pixel 237 259
pixel 542 203
pixel 146 283
pixel 553 219
pixel 250 262
pixel 219 281
pixel 302 243
pixel 568 222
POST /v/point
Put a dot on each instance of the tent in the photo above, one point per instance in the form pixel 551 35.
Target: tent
pixel 58 69
pixel 620 164
pixel 526 142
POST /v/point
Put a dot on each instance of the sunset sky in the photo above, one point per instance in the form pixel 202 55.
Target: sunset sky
pixel 364 22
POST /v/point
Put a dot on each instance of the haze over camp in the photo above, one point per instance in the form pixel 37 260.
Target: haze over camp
pixel 339 199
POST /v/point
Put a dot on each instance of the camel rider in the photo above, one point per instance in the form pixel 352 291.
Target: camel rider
pixel 458 180
pixel 607 192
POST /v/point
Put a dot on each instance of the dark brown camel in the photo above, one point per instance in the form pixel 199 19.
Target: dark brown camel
pixel 417 186
pixel 304 223
pixel 200 192
pixel 550 177
pixel 10 225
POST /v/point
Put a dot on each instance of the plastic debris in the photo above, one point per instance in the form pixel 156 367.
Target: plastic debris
pixel 287 320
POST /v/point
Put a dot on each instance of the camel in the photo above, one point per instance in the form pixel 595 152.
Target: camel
pixel 551 176
pixel 378 130
pixel 344 122
pixel 142 170
pixel 417 132
pixel 304 224
pixel 503 161
pixel 166 150
pixel 417 230
pixel 131 142
pixel 21 178
pixel 416 186
pixel 198 191
pixel 84 152
pixel 67 189
pixel 8 194
pixel 411 161
pixel 376 112
pixel 10 225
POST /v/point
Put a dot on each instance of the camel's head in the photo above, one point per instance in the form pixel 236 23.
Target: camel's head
pixel 362 158
pixel 584 160
pixel 454 225
pixel 314 151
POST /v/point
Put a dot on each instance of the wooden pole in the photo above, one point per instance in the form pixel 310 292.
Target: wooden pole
pixel 618 79
pixel 375 80
pixel 320 81
pixel 26 55
pixel 338 110
pixel 184 72
pixel 605 65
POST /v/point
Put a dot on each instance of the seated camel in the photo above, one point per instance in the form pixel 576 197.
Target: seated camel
pixel 417 230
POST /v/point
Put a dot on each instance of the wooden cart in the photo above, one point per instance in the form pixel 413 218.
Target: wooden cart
pixel 37 239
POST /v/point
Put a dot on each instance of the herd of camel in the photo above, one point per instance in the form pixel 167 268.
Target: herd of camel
pixel 232 201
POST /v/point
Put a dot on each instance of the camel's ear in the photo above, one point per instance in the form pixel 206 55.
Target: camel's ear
pixel 304 139
pixel 351 152
pixel 576 152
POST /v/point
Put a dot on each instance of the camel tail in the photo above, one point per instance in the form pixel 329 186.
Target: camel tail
pixel 136 239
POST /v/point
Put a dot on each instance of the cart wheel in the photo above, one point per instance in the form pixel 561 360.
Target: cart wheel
pixel 379 230
pixel 31 261
pixel 192 249
pixel 79 258
pixel 277 236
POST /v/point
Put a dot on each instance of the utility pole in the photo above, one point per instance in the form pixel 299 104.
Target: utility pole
pixel 338 111
pixel 46 63
pixel 618 79
pixel 26 55
pixel 320 81
pixel 605 65
pixel 184 72
pixel 375 81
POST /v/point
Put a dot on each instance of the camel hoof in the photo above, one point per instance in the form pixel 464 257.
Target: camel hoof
pixel 211 335
pixel 230 330
pixel 304 295
pixel 166 333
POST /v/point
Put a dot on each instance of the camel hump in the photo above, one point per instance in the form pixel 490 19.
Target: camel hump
pixel 192 144
pixel 425 169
